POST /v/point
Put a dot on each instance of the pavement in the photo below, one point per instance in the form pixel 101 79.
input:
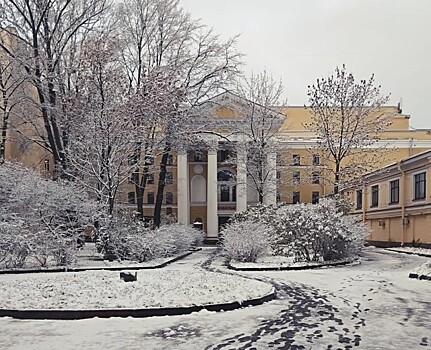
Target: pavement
pixel 372 305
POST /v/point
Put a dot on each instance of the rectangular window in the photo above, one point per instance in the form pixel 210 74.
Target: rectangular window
pixel 150 178
pixel 420 186
pixel 150 197
pixel 198 156
pixel 375 195
pixel 46 164
pixel 316 177
pixel 149 160
pixel 395 191
pixel 315 197
pixel 169 198
pixel 170 160
pixel 169 179
pixel 296 159
pixel 296 177
pixel 359 199
pixel 316 159
pixel 278 197
pixel 296 197
pixel 224 193
pixel 168 211
pixel 222 155
pixel 278 175
pixel 131 197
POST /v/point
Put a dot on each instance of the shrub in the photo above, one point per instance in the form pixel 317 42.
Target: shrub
pixel 310 232
pixel 246 240
pixel 134 241
pixel 41 219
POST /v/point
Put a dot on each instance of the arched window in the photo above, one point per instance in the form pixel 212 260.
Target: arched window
pixel 198 189
pixel 226 186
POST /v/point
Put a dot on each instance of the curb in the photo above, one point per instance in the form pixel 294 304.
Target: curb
pixel 290 268
pixel 138 313
pixel 116 268
pixel 419 277
pixel 409 253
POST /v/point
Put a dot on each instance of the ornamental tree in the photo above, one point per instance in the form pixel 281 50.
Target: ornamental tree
pixel 347 118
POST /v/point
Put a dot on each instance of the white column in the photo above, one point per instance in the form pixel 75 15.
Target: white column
pixel 241 178
pixel 183 188
pixel 270 186
pixel 212 218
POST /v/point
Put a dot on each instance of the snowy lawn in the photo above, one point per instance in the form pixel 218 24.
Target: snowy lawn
pixel 423 270
pixel 411 250
pixel 104 289
pixel 278 261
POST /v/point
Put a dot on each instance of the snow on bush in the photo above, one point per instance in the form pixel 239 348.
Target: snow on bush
pixel 133 240
pixel 40 220
pixel 310 232
pixel 245 241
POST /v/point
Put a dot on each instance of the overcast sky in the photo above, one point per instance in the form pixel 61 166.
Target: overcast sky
pixel 302 40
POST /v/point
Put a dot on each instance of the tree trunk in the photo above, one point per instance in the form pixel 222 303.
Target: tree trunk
pixel 161 187
pixel 337 177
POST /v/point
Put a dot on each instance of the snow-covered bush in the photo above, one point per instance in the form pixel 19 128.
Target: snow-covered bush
pixel 310 232
pixel 321 231
pixel 246 240
pixel 42 219
pixel 125 240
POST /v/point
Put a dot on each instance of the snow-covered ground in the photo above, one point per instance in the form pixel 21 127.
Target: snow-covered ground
pixel 424 269
pixel 277 261
pixel 104 289
pixel 412 250
pixel 373 305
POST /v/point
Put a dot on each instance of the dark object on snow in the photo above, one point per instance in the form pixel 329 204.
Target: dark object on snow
pixel 128 277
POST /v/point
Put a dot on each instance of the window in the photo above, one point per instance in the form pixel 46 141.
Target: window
pixel 278 175
pixel 420 186
pixel 131 197
pixel 169 198
pixel 296 177
pixel 170 160
pixel 223 155
pixel 296 159
pixel 169 211
pixel 316 159
pixel 150 178
pixel 169 179
pixel 359 199
pixel 149 160
pixel 375 195
pixel 316 177
pixel 315 197
pixel 198 156
pixel 46 164
pixel 224 193
pixel 395 191
pixel 278 197
pixel 296 197
pixel 150 197
pixel 131 179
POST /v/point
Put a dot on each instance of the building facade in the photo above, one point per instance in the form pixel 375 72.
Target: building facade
pixel 206 186
pixel 395 201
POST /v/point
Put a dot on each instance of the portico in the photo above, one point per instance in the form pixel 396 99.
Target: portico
pixel 212 185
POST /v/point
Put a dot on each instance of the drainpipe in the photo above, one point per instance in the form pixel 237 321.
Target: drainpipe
pixel 364 201
pixel 402 201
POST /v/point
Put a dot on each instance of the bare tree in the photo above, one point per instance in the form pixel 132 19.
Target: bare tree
pixel 45 29
pixel 261 97
pixel 347 119
pixel 158 34
pixel 12 92
pixel 102 136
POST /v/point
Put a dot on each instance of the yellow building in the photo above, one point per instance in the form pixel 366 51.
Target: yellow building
pixel 202 186
pixel 396 202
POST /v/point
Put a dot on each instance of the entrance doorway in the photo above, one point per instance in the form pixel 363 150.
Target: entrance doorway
pixel 222 221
